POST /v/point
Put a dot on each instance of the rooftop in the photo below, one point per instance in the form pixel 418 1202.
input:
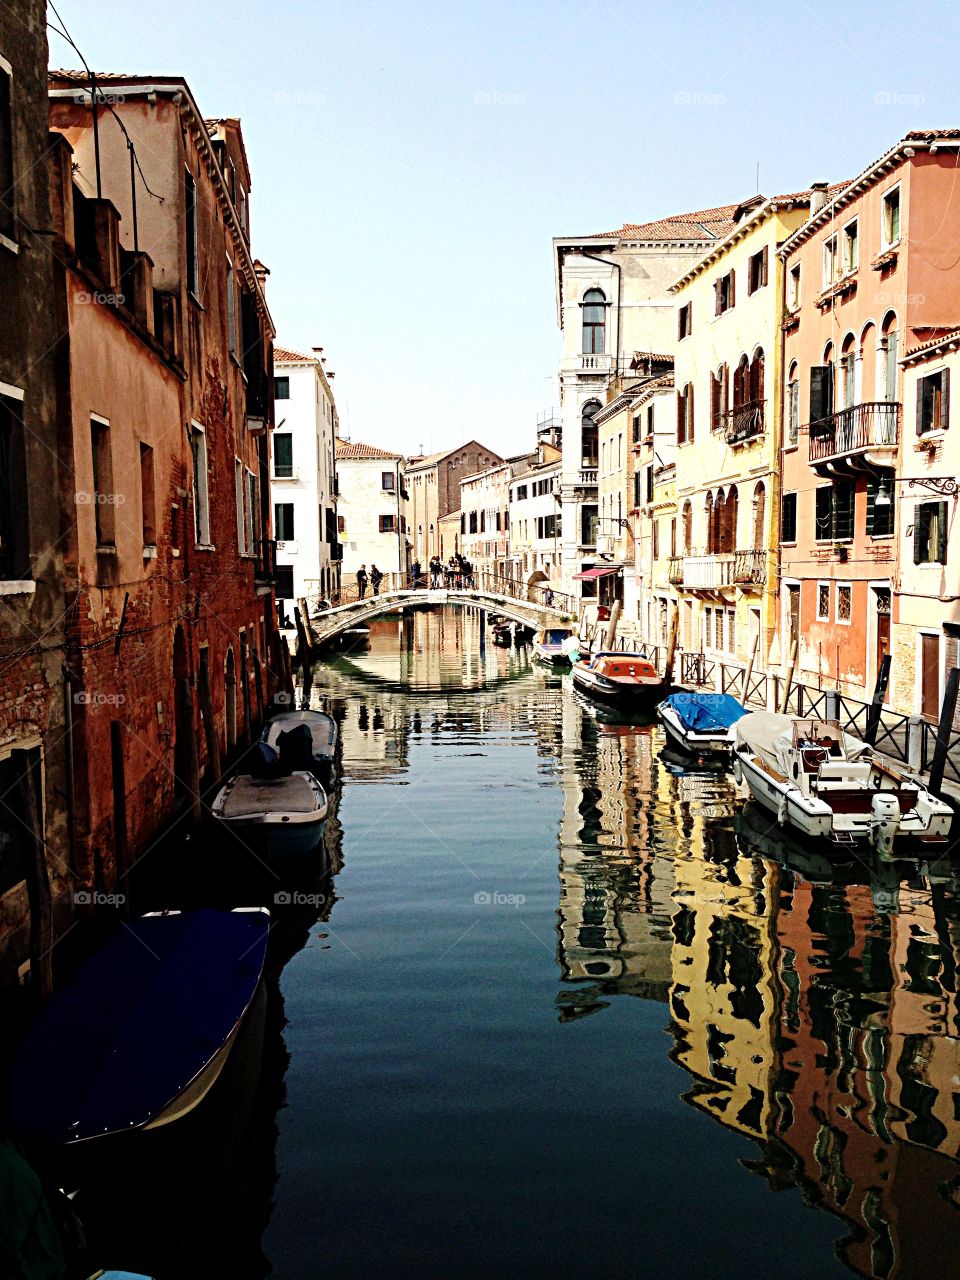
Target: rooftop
pixel 703 224
pixel 348 449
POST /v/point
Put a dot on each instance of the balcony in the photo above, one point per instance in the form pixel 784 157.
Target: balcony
pixel 707 573
pixel 675 570
pixel 864 434
pixel 595 364
pixel 265 562
pixel 588 477
pixel 743 423
pixel 750 568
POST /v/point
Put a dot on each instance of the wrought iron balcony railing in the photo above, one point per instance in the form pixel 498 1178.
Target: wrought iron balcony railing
pixel 874 425
pixel 750 567
pixel 744 422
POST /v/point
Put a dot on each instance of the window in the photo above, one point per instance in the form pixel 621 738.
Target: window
pixel 933 396
pixel 589 434
pixel 190 202
pixel 648 473
pixel 930 533
pixel 231 309
pixel 757 270
pixel 880 508
pixel 252 511
pixel 823 601
pixel 793 287
pixel 851 247
pixel 521 492
pixel 793 406
pixel 834 512
pixel 685 321
pixel 8 225
pixel 829 261
pixel 891 217
pixel 656 539
pixel 723 293
pixel 283 455
pixel 821 392
pixel 388 524
pixel 788 518
pixel 103 496
pixel 637 428
pixel 388 481
pixel 594 322
pixel 238 487
pixel 281 388
pixel 685 415
pixel 201 500
pixel 14 541
pixel 650 421
pixel 844 601
pixel 638 497
pixel 283 524
pixel 148 501
pixel 472 523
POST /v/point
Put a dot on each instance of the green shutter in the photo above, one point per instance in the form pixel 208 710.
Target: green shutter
pixel 945 399
pixel 941 532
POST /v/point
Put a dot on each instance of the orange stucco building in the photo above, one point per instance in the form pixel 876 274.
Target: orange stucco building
pixel 870 276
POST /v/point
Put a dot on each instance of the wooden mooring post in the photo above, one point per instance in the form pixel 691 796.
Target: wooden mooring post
pixel 948 710
pixel 879 697
pixel 205 698
pixel 671 645
pixel 788 679
pixel 748 674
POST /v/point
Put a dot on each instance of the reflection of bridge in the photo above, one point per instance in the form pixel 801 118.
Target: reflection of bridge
pixel 489 594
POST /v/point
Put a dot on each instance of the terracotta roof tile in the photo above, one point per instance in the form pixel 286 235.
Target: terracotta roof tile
pixel 283 355
pixel 944 337
pixel 704 224
pixel 348 449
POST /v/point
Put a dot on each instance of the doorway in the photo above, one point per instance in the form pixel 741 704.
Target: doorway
pixel 792 618
pixel 930 676
pixel 881 633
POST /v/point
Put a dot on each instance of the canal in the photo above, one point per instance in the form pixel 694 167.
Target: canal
pixel 565 1006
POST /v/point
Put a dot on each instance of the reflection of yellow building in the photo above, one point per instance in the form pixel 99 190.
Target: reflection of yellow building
pixel 722 996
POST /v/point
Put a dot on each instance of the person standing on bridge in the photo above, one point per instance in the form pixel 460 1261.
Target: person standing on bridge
pixel 362 581
pixel 376 577
pixel 436 572
pixel 415 575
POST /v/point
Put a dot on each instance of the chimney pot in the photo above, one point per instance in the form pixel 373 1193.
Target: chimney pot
pixel 818 197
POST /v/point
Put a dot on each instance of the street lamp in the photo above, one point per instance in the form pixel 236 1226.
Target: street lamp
pixel 943 486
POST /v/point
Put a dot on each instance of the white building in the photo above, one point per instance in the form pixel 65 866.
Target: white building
pixel 304 480
pixel 535 532
pixel 613 304
pixel 372 512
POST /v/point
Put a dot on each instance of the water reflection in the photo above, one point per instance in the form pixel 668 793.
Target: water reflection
pixel 815 1010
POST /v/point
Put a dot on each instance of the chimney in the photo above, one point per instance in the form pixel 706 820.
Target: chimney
pixel 319 354
pixel 261 272
pixel 818 197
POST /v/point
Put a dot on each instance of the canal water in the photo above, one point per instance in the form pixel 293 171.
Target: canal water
pixel 566 1006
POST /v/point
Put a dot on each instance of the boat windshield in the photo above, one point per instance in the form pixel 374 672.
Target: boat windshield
pixel 825 735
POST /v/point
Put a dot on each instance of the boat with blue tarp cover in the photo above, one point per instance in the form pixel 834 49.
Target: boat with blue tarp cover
pixel 146 1026
pixel 701 723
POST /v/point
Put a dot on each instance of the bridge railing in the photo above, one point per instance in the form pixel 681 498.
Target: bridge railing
pixel 453 580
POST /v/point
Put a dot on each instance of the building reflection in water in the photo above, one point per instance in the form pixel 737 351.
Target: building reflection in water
pixel 815 1013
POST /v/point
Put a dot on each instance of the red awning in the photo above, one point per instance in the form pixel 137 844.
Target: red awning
pixel 599 573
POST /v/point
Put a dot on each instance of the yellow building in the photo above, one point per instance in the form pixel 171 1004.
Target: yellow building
pixel 729 310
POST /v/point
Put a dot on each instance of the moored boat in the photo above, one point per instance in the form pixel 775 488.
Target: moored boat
pixel 303 740
pixel 549 646
pixel 281 819
pixel 146 1025
pixel 625 679
pixel 829 785
pixel 701 723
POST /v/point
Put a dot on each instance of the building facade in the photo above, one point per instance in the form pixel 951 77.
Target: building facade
pixel 535 528
pixel 304 480
pixel 485 520
pixel 868 278
pixel 433 482
pixel 612 303
pixel 372 513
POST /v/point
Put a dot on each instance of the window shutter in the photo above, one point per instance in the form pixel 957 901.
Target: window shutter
pixel 920 386
pixel 733 295
pixel 714 402
pixel 679 323
pixel 690 412
pixel 918 533
pixel 941 532
pixel 945 399
pixel 681 418
pixel 824 513
pixel 871 506
pixel 716 297
pixel 818 395
pixel 763 264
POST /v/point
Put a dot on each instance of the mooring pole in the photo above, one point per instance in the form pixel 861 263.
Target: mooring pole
pixel 671 644
pixel 948 710
pixel 879 697
pixel 748 674
pixel 788 679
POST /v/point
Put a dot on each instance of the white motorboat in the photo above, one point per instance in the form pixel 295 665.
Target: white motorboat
pixel 281 819
pixel 306 738
pixel 827 784
pixel 551 646
pixel 701 723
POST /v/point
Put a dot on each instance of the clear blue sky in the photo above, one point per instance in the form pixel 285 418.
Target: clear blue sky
pixel 412 162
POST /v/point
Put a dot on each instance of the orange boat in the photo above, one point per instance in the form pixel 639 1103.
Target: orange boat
pixel 622 678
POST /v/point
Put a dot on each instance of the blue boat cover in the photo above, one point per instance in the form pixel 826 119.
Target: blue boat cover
pixel 136 1023
pixel 706 712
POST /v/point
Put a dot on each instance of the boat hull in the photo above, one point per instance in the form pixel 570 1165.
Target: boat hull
pixel 716 745
pixel 619 693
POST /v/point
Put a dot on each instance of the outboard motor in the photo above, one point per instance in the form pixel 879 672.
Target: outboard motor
pixel 885 812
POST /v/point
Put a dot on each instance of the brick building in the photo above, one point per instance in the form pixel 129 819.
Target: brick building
pixel 433 482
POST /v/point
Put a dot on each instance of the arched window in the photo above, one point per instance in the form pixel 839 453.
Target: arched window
pixel 756 377
pixel 890 343
pixel 687 528
pixel 741 383
pixel 759 515
pixel 793 403
pixel 869 368
pixel 594 308
pixel 708 512
pixel 848 372
pixel 589 433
